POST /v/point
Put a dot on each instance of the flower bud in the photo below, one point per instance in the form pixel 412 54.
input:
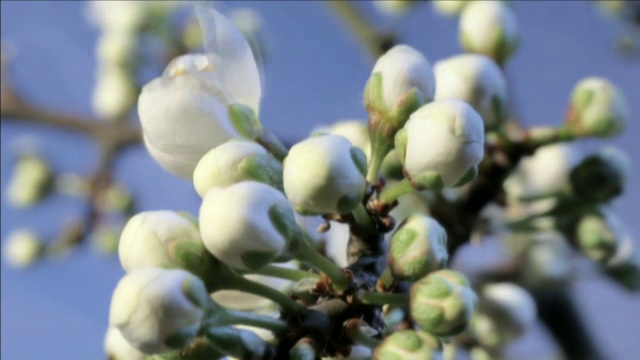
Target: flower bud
pixel 163 238
pixel 234 161
pixel 598 108
pixel 325 174
pixel 449 7
pixel 115 93
pixel 442 303
pixel 489 28
pixel 117 16
pixel 118 348
pixel 157 310
pixel 601 176
pixel 547 261
pixel 599 234
pixel 117 48
pixel 394 7
pixel 106 238
pixel 417 248
pixel 355 131
pixel 246 225
pixel 22 248
pixel 32 180
pixel 441 144
pixel 115 198
pixel 409 345
pixel 477 80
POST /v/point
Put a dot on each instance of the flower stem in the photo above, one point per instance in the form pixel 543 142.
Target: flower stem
pixel 285 273
pixel 307 254
pixel 272 144
pixel 380 298
pixel 234 317
pixel 392 192
pixel 241 284
pixel 379 149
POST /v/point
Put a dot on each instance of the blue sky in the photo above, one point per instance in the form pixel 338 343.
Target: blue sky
pixel 59 310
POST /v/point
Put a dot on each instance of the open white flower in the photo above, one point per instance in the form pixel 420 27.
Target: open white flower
pixel 489 27
pixel 325 174
pixel 157 310
pixel 118 348
pixel 185 113
pixel 246 225
pixel 441 144
pixel 477 80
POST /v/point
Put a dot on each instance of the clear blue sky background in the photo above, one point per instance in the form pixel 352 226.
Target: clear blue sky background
pixel 59 310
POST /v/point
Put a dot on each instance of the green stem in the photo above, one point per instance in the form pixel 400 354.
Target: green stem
pixel 308 254
pixel 541 136
pixel 272 144
pixel 234 317
pixel 364 223
pixel 231 341
pixel 359 337
pixel 392 192
pixel 380 298
pixel 241 284
pixel 378 152
pixel 286 273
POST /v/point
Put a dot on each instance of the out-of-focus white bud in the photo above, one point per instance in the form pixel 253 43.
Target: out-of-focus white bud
pixel 599 234
pixel 489 28
pixel 118 16
pixel 442 303
pixel 612 7
pixel 598 108
pixel 505 312
pixel 157 310
pixel 441 144
pixel 117 48
pixel 355 131
pixel 162 238
pixel 105 239
pixel 325 174
pixel 246 225
pixel 115 198
pixel 118 348
pixel 601 176
pixel 394 7
pixel 409 344
pixel 22 248
pixel 417 248
pixel 234 161
pixel 547 262
pixel 477 80
pixel 32 180
pixel 449 7
pixel 115 93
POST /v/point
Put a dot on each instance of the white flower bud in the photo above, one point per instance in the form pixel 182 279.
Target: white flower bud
pixel 325 174
pixel 598 108
pixel 118 16
pixel 490 28
pixel 117 48
pixel 417 248
pixel 477 80
pixel 355 131
pixel 234 161
pixel 599 234
pixel 442 303
pixel 22 248
pixel 157 310
pixel 409 345
pixel 115 93
pixel 246 225
pixel 441 144
pixel 118 348
pixel 31 181
pixel 394 7
pixel 105 239
pixel 449 7
pixel 157 238
pixel 601 176
pixel 403 69
pixel 547 263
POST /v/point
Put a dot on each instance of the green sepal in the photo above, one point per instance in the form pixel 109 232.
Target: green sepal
pixel 429 180
pixel 359 159
pixel 468 176
pixel 189 216
pixel 181 338
pixel 262 168
pixel 349 202
pixel 245 120
pixel 284 220
pixel 401 139
pixel 374 94
pixel 392 167
pixel 196 293
pixel 198 349
pixel 499 113
pixel 412 101
pixel 504 48
pixel 256 260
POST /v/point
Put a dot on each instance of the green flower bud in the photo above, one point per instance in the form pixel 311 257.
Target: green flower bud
pixel 408 345
pixel 599 234
pixel 442 303
pixel 234 161
pixel 489 28
pixel 325 174
pixel 598 108
pixel 601 176
pixel 417 248
pixel 32 180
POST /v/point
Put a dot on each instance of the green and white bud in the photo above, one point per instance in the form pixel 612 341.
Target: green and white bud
pixel 115 92
pixel 163 238
pixel 115 198
pixel 599 234
pixel 32 180
pixel 449 7
pixel 409 345
pixel 355 131
pixel 442 303
pixel 247 225
pixel 489 28
pixel 601 176
pixel 118 348
pixel 22 248
pixel 477 80
pixel 547 261
pixel 325 174
pixel 441 145
pixel 157 310
pixel 234 161
pixel 394 7
pixel 418 247
pixel 598 108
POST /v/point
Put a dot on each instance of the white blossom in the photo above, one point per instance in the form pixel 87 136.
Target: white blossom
pixel 22 248
pixel 324 174
pixel 237 224
pixel 157 310
pixel 118 348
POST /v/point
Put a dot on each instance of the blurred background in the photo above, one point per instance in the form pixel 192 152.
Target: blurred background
pixel 315 74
